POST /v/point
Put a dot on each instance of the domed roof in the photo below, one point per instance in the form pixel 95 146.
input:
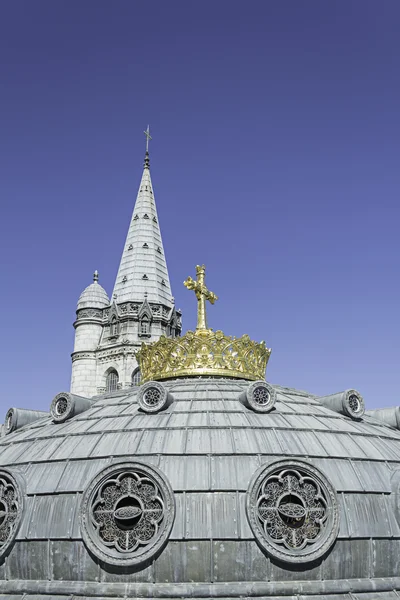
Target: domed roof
pixel 184 489
pixel 94 296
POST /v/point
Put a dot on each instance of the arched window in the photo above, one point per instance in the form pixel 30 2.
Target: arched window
pixel 136 377
pixel 112 381
pixel 114 327
pixel 144 325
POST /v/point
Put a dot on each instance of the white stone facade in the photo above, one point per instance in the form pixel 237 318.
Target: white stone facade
pixel 107 334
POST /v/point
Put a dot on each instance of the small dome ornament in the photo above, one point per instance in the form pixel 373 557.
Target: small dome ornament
pixel 203 352
pixel 259 396
pixel 153 397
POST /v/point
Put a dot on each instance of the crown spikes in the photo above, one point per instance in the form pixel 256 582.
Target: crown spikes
pixel 203 352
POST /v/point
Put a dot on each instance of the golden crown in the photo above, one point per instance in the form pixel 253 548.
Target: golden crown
pixel 203 352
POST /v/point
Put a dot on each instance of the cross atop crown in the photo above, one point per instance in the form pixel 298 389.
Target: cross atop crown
pixel 202 294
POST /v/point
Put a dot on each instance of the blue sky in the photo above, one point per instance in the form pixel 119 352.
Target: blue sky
pixel 275 161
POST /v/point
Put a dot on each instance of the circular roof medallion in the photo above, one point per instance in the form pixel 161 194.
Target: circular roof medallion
pixel 260 396
pixel 127 514
pixel 153 397
pixel 61 407
pixel 10 509
pixel 354 404
pixel 292 510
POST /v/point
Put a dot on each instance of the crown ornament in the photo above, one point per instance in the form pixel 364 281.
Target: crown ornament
pixel 203 352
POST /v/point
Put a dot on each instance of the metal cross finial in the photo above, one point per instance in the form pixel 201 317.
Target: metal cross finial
pixel 202 294
pixel 148 137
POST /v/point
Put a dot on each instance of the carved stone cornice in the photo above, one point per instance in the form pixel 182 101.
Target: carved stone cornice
pixel 80 355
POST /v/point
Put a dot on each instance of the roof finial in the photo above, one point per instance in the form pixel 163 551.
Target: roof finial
pixel 148 138
pixel 96 276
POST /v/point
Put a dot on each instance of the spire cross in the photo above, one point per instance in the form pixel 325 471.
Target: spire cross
pixel 148 137
pixel 202 294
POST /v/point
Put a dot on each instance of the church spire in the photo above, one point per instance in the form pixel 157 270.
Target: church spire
pixel 143 267
pixel 147 156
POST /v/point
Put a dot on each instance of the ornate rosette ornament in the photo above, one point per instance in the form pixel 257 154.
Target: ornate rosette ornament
pixel 260 396
pixel 293 511
pixel 10 509
pixel 127 514
pixel 153 397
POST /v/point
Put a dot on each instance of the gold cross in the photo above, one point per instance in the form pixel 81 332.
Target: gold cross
pixel 202 294
pixel 148 137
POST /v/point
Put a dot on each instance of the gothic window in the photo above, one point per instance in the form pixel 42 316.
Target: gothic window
pixel 113 327
pixel 293 511
pixel 146 216
pixel 136 377
pixel 112 381
pixel 145 325
pixel 135 218
pixel 145 245
pixel 130 247
pixel 154 219
pixel 127 514
pixel 145 276
pixel 159 250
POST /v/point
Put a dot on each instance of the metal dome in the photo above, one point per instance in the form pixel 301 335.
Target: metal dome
pixel 202 496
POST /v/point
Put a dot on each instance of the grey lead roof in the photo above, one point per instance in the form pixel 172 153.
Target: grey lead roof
pixel 208 445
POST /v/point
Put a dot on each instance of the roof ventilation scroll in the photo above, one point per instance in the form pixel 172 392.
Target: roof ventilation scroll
pixel 65 406
pixel 153 397
pixel 259 396
pixel 349 403
pixel 18 417
pixel 389 416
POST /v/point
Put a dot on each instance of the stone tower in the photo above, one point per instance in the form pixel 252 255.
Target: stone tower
pixel 108 333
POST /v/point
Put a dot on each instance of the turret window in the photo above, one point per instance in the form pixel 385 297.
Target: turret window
pixel 114 327
pixel 136 377
pixel 159 250
pixel 145 245
pixel 146 216
pixel 145 326
pixel 135 218
pixel 112 381
pixel 145 276
pixel 154 219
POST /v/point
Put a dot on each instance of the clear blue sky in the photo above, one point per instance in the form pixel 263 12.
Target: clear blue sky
pixel 275 161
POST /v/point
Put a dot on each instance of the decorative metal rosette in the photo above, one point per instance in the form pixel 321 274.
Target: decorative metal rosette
pixel 127 514
pixel 61 407
pixel 293 511
pixel 153 397
pixel 10 509
pixel 354 404
pixel 260 396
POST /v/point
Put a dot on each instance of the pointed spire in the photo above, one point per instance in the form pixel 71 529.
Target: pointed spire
pixel 143 267
pixel 147 156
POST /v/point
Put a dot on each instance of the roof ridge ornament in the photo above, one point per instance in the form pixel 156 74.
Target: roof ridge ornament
pixel 203 352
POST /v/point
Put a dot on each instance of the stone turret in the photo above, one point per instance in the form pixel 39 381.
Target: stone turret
pixel 88 330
